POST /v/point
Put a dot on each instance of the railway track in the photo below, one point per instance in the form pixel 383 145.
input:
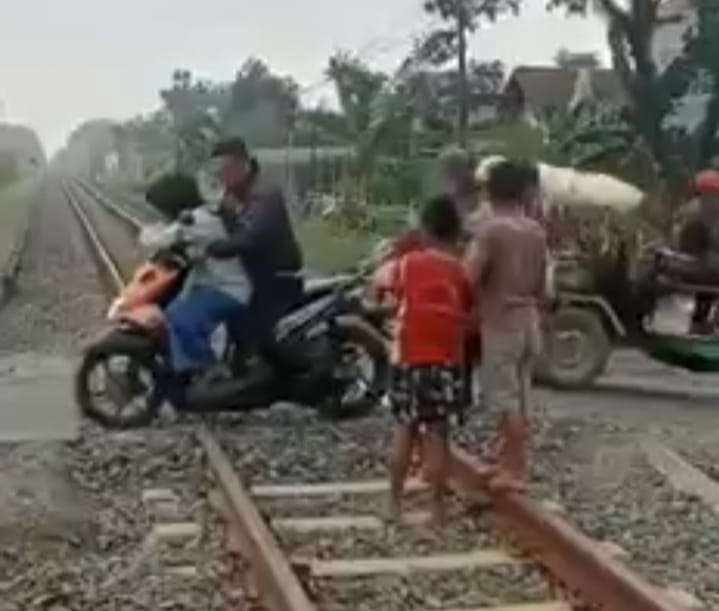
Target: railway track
pixel 260 527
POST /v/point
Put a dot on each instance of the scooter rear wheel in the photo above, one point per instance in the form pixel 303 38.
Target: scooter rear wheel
pixel 118 384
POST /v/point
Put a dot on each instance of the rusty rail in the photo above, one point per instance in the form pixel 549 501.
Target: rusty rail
pixel 109 266
pixel 279 587
pixel 128 219
pixel 568 555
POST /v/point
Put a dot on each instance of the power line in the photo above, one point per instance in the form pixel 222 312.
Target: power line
pixel 381 45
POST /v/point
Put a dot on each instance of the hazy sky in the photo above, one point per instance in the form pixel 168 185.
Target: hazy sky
pixel 63 62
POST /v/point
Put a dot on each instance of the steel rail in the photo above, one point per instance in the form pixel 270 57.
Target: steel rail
pixel 102 255
pixel 278 585
pixel 571 557
pixel 132 222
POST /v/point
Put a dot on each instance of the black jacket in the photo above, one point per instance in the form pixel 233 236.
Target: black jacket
pixel 261 234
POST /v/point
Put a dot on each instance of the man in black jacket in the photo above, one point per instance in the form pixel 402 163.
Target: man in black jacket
pixel 260 234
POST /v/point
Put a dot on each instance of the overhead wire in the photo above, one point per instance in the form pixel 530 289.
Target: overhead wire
pixel 377 46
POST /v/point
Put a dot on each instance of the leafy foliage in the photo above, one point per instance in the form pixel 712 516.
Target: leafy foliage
pixel 357 88
pixel 257 105
pixel 475 11
pixel 447 40
pixel 194 107
pixel 654 95
pixel 587 135
pixel 703 51
pixel 88 147
pixel 262 106
pixel 144 144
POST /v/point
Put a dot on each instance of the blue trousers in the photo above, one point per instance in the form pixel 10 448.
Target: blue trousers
pixel 192 318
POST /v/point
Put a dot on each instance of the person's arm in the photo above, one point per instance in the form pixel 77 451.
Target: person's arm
pixel 476 259
pixel 397 277
pixel 465 291
pixel 255 232
pixel 545 292
pixel 541 292
pixel 159 235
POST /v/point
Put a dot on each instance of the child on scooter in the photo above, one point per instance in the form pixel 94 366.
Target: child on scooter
pixel 224 283
pixel 434 305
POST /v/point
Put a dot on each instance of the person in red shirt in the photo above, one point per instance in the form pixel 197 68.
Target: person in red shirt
pixel 381 285
pixel 434 300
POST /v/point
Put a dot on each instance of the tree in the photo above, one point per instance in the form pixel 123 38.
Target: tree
pixel 653 95
pixel 145 145
pixel 257 105
pixel 195 107
pixel 357 86
pixel 461 18
pixel 262 106
pixel 89 146
pixel 321 127
pixel 703 50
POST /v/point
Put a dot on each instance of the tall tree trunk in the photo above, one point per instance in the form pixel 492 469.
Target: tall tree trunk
pixel 708 133
pixel 463 123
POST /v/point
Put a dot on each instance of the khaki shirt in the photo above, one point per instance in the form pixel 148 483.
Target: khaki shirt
pixel 507 264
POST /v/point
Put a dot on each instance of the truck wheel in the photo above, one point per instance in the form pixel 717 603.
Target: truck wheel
pixel 576 349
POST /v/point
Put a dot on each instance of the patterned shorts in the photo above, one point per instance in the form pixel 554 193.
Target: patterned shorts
pixel 427 393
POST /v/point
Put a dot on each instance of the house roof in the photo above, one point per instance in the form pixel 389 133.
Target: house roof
pixel 546 87
pixel 607 85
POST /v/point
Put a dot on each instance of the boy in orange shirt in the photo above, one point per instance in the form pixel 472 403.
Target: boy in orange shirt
pixel 434 301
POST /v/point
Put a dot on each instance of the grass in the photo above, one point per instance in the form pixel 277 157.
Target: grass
pixel 328 250
pixel 15 202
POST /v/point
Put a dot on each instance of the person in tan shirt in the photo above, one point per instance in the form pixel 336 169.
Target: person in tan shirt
pixel 506 263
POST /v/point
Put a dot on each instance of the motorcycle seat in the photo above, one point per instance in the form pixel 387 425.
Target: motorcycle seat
pixel 686 273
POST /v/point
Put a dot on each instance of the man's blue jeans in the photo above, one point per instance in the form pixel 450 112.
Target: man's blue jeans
pixel 192 319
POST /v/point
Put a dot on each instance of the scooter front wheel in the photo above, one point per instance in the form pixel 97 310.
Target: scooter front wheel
pixel 361 371
pixel 118 383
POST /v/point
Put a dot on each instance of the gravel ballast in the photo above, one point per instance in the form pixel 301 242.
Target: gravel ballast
pixel 594 469
pixel 74 531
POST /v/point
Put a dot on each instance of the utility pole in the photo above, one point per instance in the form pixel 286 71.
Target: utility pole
pixel 463 122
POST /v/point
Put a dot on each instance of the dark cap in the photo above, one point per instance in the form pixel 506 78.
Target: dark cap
pixel 232 147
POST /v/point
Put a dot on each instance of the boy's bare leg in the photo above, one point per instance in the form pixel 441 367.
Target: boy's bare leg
pixel 403 441
pixel 511 476
pixel 515 434
pixel 437 462
pixel 417 463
